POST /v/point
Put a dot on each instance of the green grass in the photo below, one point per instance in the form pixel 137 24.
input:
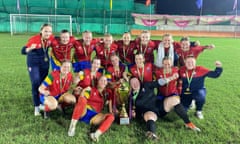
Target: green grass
pixel 222 112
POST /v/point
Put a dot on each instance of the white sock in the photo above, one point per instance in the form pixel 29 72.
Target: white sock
pixel 42 107
pixel 98 133
pixel 36 108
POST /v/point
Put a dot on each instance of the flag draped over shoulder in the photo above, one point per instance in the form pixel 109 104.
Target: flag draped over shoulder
pixel 199 4
pixel 148 2
pixel 235 5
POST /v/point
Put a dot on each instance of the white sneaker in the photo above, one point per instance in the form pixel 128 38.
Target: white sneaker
pixel 36 111
pixel 199 114
pixel 193 105
pixel 94 137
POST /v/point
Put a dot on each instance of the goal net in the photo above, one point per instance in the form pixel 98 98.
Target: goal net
pixel 27 23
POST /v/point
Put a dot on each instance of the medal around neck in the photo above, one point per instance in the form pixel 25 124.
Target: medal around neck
pixel 187 92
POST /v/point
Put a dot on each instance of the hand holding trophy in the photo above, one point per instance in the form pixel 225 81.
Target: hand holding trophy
pixel 123 98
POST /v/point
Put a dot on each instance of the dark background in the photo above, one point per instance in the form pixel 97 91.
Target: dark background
pixel 189 7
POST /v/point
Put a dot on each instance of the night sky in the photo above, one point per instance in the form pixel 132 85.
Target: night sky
pixel 188 7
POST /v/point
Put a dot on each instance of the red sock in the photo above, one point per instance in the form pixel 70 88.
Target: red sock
pixel 46 108
pixel 79 108
pixel 106 123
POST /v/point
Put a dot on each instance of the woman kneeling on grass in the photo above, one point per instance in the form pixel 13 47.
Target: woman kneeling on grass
pixel 193 88
pixel 54 89
pixel 88 109
pixel 144 103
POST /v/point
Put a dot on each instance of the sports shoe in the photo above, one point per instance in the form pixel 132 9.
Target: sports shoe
pixel 36 111
pixel 151 135
pixel 192 127
pixel 94 137
pixel 193 105
pixel 199 114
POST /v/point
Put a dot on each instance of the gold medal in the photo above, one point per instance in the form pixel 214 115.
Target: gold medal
pixel 187 91
pixel 45 59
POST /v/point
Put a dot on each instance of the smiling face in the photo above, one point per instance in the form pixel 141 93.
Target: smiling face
pixel 87 38
pixel 185 45
pixel 167 64
pixel 135 84
pixel 65 37
pixel 190 63
pixel 102 82
pixel 65 68
pixel 167 40
pixel 114 60
pixel 46 32
pixel 145 37
pixel 139 60
pixel 108 39
pixel 96 63
pixel 126 38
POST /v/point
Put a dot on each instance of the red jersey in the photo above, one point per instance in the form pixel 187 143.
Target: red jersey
pixel 37 39
pixel 57 85
pixel 114 75
pixel 95 100
pixel 171 87
pixel 104 54
pixel 84 52
pixel 193 51
pixel 62 51
pixel 86 80
pixel 144 74
pixel 147 50
pixel 126 53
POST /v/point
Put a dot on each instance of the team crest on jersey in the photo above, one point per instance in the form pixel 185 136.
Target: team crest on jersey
pixel 57 81
pixel 148 69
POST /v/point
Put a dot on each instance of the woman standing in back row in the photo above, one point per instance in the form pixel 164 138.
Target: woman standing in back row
pixel 36 50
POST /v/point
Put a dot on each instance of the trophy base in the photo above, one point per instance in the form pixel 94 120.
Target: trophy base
pixel 124 121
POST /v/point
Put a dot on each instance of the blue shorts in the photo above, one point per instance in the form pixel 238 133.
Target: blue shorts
pixel 42 98
pixel 80 66
pixel 88 116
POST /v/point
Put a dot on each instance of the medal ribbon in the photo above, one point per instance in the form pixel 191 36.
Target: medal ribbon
pixel 44 47
pixel 62 84
pixel 141 75
pixel 85 50
pixel 135 94
pixel 189 79
pixel 142 49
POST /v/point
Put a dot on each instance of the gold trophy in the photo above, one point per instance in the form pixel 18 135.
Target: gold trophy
pixel 123 98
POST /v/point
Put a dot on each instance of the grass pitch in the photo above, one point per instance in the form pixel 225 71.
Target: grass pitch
pixel 222 112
